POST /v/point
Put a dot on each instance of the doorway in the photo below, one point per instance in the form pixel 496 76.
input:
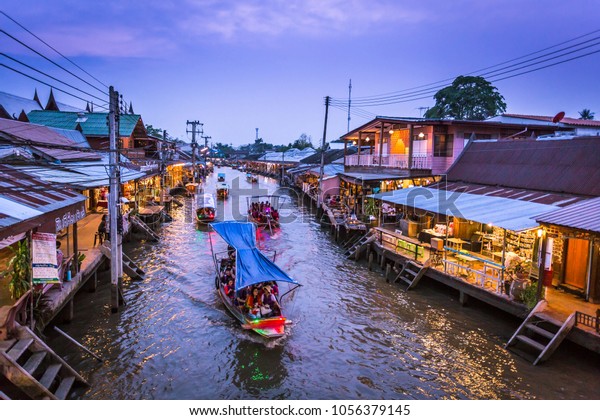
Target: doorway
pixel 577 262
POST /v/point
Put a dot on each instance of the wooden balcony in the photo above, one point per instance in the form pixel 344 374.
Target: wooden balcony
pixel 420 161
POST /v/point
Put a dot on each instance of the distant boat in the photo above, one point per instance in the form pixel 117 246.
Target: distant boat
pixel 268 217
pixel 252 268
pixel 251 177
pixel 206 211
pixel 220 177
pixel 222 190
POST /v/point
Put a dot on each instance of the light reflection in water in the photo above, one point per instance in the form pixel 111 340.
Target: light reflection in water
pixel 353 336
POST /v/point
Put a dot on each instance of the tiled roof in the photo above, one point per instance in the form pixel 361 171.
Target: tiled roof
pixel 93 124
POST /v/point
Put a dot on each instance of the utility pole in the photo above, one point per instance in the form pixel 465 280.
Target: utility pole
pixel 194 131
pixel 349 101
pixel 162 153
pixel 116 264
pixel 320 189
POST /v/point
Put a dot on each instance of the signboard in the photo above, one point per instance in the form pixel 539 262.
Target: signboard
pixel 44 264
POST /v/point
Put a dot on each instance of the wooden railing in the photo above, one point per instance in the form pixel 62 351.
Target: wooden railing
pixel 588 320
pixel 399 161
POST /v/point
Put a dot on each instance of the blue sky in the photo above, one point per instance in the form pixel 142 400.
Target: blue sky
pixel 241 65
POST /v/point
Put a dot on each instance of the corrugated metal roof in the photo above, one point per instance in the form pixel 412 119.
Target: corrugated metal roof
pixel 515 215
pixel 26 132
pixel 372 177
pixel 93 123
pixel 76 136
pixel 81 175
pixel 566 121
pixel 584 215
pixel 558 166
pixel 24 197
pixel 15 104
pixel 289 156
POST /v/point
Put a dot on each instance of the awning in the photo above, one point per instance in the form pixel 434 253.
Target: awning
pixel 252 266
pixel 511 214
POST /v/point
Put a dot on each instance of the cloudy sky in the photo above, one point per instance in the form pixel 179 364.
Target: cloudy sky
pixel 238 65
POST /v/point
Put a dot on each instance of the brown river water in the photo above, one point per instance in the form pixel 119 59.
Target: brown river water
pixel 354 336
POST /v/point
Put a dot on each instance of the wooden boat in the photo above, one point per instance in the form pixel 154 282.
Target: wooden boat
pixel 252 268
pixel 251 177
pixel 268 218
pixel 222 190
pixel 206 211
pixel 220 177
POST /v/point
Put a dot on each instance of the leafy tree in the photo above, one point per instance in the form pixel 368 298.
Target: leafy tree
pixel 468 98
pixel 302 142
pixel 586 114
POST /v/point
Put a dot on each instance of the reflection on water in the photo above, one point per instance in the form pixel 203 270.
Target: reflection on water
pixel 353 336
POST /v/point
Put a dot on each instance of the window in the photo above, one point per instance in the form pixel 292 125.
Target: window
pixel 419 147
pixel 443 145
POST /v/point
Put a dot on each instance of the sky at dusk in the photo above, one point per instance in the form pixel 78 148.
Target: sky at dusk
pixel 241 65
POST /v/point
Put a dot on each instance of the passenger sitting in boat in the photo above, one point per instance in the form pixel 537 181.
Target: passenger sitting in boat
pixel 241 297
pixel 230 289
pixel 270 307
pixel 227 275
pixel 275 214
pixel 274 288
pixel 253 299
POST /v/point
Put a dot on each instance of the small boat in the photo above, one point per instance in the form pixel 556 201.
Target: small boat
pixel 222 190
pixel 252 268
pixel 192 187
pixel 263 210
pixel 206 211
pixel 220 177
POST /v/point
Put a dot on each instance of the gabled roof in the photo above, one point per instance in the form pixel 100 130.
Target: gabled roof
pixel 13 105
pixel 93 124
pixel 584 215
pixel 289 156
pixel 557 166
pixel 20 133
pixel 330 155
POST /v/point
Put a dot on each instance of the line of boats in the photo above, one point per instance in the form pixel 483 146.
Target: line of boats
pixel 251 286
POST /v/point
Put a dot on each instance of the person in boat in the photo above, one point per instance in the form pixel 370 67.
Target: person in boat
pixel 275 214
pixel 227 275
pixel 253 299
pixel 270 306
pixel 230 289
pixel 274 288
pixel 241 297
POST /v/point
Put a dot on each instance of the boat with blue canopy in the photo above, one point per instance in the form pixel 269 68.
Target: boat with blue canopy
pixel 241 271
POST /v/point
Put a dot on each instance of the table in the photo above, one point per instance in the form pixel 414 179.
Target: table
pixel 458 242
pixel 468 262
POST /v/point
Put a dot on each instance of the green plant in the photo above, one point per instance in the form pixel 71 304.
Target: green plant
pixel 370 207
pixel 529 295
pixel 18 269
pixel 80 257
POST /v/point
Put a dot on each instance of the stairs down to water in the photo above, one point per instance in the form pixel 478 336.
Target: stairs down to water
pixel 129 267
pixel 359 244
pixel 137 222
pixel 540 334
pixel 411 274
pixel 33 367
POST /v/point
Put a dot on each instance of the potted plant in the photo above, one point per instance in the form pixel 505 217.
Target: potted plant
pixel 80 258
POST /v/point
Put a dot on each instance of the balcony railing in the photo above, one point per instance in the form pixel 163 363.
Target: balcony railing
pixel 420 161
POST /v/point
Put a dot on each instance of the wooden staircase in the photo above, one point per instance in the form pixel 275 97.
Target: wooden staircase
pixel 129 267
pixel 360 244
pixel 541 333
pixel 137 222
pixel 411 274
pixel 34 368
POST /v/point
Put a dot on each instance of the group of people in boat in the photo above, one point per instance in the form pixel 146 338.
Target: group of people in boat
pixel 255 301
pixel 262 211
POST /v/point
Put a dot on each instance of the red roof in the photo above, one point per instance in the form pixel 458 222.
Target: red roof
pixel 565 120
pixel 569 167
pixel 25 132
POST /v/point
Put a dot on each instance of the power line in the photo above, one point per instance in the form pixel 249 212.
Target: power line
pixel 50 60
pixel 53 49
pixel 47 84
pixel 51 77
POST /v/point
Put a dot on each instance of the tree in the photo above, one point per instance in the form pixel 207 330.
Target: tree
pixel 302 142
pixel 586 114
pixel 468 98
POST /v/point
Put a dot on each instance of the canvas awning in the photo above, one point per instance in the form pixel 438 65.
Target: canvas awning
pixel 511 214
pixel 251 265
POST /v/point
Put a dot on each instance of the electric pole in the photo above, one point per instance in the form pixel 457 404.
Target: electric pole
pixel 206 147
pixel 320 189
pixel 194 131
pixel 349 101
pixel 116 261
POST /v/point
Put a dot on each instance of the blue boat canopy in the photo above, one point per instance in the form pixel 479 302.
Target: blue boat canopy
pixel 251 265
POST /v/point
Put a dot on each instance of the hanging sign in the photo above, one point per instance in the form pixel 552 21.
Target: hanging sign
pixel 44 264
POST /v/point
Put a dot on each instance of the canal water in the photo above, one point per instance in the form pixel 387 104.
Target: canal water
pixel 354 336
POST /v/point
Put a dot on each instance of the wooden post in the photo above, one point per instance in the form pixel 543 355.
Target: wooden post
pixel 370 254
pixel 542 267
pixel 388 270
pixel 75 248
pixel 93 282
pixel 381 143
pixel 68 311
pixel 463 298
pixel 503 257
